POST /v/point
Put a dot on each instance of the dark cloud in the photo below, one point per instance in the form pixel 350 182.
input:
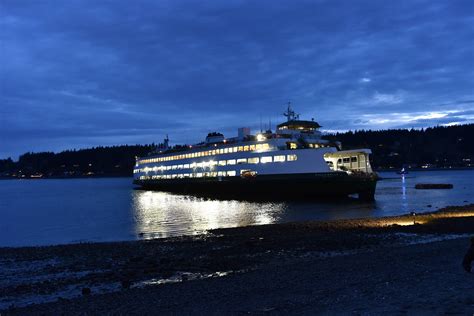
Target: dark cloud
pixel 86 73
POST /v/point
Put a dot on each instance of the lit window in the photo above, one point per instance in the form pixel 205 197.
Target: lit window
pixel 259 146
pixel 231 173
pixel 246 148
pixel 241 160
pixel 174 167
pixel 253 160
pixel 266 159
pixel 186 166
pixel 222 162
pixel 293 146
pixel 235 149
pixel 168 167
pixel 199 175
pixel 279 158
pixel 221 151
pixel 180 166
pixel 241 148
pixel 231 162
pixel 252 147
pixel 226 150
pixel 221 173
pixel 291 157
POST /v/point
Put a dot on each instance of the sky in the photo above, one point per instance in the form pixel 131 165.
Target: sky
pixel 79 73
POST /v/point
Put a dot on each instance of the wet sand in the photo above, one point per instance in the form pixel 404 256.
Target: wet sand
pixel 366 266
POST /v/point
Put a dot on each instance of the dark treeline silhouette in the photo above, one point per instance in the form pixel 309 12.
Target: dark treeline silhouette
pixel 98 161
pixel 436 147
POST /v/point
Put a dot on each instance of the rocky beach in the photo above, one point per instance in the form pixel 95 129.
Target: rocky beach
pixel 407 264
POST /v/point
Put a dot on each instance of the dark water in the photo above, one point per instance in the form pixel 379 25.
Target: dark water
pixel 44 212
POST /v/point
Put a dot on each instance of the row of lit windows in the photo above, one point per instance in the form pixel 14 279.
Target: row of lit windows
pixel 213 152
pixel 212 163
pixel 231 173
pixel 347 160
pixel 317 145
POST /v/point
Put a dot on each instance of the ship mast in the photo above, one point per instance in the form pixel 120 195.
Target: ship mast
pixel 290 114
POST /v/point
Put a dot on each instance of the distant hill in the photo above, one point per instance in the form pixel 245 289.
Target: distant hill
pixel 436 147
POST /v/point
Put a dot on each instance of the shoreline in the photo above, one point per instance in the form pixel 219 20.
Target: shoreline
pixel 131 176
pixel 54 277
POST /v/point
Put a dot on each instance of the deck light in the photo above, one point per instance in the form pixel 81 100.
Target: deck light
pixel 260 137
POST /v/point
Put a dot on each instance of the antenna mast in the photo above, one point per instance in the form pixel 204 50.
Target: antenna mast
pixel 290 114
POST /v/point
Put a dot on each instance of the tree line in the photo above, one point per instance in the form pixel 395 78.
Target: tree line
pixel 97 161
pixel 440 147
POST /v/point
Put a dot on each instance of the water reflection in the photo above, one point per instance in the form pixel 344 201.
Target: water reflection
pixel 161 214
pixel 404 203
pixel 78 210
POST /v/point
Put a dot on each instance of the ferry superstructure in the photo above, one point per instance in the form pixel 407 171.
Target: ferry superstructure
pixel 292 162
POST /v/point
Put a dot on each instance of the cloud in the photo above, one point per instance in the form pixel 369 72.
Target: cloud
pixel 387 98
pixel 85 73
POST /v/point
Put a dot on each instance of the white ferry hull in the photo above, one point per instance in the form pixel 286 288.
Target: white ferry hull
pixel 294 162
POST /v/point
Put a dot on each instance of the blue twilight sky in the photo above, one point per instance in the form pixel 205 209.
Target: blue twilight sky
pixel 84 73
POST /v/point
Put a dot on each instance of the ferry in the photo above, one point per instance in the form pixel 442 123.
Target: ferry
pixel 293 162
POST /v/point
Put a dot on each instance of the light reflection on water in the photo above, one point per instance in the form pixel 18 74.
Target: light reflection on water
pixel 42 212
pixel 160 214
